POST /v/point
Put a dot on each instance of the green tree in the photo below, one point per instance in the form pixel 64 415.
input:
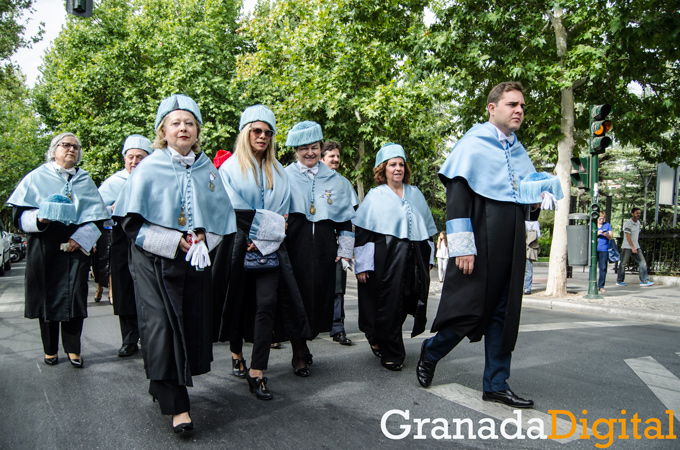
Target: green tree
pixel 345 65
pixel 105 76
pixel 569 54
pixel 12 35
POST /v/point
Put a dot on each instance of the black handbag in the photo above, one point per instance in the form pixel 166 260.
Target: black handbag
pixel 255 262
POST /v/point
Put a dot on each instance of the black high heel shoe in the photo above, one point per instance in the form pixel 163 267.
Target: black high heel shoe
pixel 78 363
pixel 236 367
pixel 307 357
pixel 395 367
pixel 376 351
pixel 258 386
pixel 51 361
pixel 182 427
pixel 300 371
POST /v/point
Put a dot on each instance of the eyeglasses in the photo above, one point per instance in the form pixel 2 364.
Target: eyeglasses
pixel 258 131
pixel 69 146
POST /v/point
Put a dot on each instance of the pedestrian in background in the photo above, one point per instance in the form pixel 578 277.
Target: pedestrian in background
pixel 60 209
pixel 631 247
pixel 330 156
pixel 394 254
pixel 442 255
pixel 604 234
pixel 533 230
pixel 175 209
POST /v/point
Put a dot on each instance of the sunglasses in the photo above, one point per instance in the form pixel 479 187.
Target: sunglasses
pixel 258 131
pixel 69 146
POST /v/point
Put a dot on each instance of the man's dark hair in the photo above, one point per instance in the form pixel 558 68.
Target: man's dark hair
pixel 501 88
pixel 328 146
pixel 632 211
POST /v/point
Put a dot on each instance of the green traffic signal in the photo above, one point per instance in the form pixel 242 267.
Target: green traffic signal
pixel 82 8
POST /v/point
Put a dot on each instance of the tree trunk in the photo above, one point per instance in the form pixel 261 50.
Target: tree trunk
pixel 357 166
pixel 557 271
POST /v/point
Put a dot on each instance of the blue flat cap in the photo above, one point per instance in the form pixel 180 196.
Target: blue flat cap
pixel 175 102
pixel 137 141
pixel 257 113
pixel 304 133
pixel 389 151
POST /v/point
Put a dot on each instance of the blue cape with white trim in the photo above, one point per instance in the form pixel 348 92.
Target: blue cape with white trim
pixel 327 185
pixel 111 187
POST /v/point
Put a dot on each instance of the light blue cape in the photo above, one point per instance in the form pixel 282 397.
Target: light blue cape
pixel 384 212
pixel 153 191
pixel 44 181
pixel 325 182
pixel 488 167
pixel 244 192
pixel 111 187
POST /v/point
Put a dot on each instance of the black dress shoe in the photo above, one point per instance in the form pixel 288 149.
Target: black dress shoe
pixel 127 350
pixel 376 352
pixel 183 427
pixel 394 367
pixel 258 386
pixel 507 397
pixel 425 368
pixel 276 345
pixel 78 363
pixel 236 367
pixel 307 357
pixel 51 361
pixel 300 371
pixel 342 338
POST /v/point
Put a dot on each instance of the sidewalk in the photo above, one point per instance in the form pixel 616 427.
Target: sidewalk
pixel 659 303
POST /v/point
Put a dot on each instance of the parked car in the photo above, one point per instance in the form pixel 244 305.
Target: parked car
pixel 5 245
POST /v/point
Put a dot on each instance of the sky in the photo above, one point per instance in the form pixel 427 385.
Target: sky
pixel 53 14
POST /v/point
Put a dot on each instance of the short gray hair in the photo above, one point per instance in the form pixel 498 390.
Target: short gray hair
pixel 49 156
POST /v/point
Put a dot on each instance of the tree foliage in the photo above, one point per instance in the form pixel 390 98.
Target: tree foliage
pixel 105 76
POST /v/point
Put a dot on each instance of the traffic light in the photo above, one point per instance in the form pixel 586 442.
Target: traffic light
pixel 599 128
pixel 82 8
pixel 594 211
pixel 580 173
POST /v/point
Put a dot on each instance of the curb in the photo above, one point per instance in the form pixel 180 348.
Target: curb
pixel 562 305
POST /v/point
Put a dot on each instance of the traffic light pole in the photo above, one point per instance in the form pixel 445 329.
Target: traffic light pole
pixel 594 214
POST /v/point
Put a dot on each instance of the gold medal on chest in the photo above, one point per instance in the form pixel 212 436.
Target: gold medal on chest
pixel 312 210
pixel 182 220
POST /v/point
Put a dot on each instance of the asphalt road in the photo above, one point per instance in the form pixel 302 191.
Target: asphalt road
pixel 591 367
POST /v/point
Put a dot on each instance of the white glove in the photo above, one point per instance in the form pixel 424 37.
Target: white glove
pixel 345 264
pixel 198 253
pixel 548 201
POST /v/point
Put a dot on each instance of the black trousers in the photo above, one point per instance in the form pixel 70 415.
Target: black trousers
pixel 173 398
pixel 70 335
pixel 129 329
pixel 266 298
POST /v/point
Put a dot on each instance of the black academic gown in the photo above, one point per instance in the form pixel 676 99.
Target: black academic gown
pixel 313 259
pixel 100 258
pixel 238 316
pixel 122 286
pixel 398 285
pixel 468 301
pixel 56 281
pixel 174 311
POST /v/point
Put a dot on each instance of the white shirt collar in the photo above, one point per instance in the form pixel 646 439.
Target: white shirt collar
pixel 504 138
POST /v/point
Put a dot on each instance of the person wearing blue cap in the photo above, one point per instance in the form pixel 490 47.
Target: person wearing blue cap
pixel 58 206
pixel 394 254
pixel 259 191
pixel 175 209
pixel 319 233
pixel 122 289
pixel 490 185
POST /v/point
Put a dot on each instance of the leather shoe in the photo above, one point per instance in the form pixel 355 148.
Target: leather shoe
pixel 183 427
pixel 394 367
pixel 376 351
pixel 342 338
pixel 236 367
pixel 51 361
pixel 127 350
pixel 258 386
pixel 425 368
pixel 507 397
pixel 300 371
pixel 78 363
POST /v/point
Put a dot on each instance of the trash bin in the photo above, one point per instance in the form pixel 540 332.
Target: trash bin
pixel 578 239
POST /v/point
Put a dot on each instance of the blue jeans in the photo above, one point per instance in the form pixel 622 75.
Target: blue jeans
pixel 528 275
pixel 602 259
pixel 639 258
pixel 496 364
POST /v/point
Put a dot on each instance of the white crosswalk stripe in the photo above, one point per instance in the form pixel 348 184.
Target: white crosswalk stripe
pixel 659 380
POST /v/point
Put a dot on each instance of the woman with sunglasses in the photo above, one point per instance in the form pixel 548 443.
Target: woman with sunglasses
pixel 319 233
pixel 259 190
pixel 60 209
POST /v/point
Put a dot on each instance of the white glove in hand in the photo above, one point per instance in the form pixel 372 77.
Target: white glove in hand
pixel 198 253
pixel 345 264
pixel 548 201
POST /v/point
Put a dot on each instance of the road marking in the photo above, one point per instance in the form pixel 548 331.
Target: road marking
pixel 576 325
pixel 12 308
pixel 472 399
pixel 659 380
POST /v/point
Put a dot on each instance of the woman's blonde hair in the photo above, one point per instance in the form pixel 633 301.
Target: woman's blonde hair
pixel 246 159
pixel 161 142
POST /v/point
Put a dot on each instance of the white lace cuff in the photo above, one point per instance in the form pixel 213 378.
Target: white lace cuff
pixel 212 240
pixel 461 238
pixel 86 236
pixel 29 221
pixel 364 257
pixel 345 244
pixel 431 252
pixel 158 240
pixel 267 231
